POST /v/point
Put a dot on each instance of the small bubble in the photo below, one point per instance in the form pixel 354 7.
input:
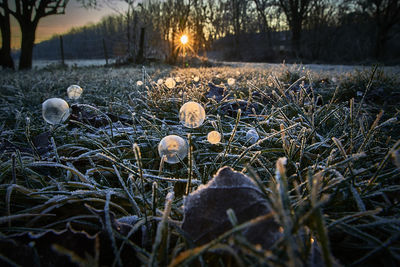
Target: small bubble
pixel 170 83
pixel 196 79
pixel 139 83
pixel 178 79
pixel 214 137
pixel 252 136
pixel 231 81
pixel 74 91
pixel 192 114
pixel 55 110
pixel 160 81
pixel 172 148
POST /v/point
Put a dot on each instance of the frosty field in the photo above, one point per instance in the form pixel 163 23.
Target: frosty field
pixel 94 191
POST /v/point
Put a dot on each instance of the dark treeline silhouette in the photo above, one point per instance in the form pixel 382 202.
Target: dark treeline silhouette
pixel 334 31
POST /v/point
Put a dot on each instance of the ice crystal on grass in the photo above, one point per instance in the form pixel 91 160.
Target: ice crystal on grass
pixel 55 110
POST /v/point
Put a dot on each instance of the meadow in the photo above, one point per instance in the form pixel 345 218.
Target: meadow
pixel 93 191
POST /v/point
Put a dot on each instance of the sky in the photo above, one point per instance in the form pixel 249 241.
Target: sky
pixel 75 16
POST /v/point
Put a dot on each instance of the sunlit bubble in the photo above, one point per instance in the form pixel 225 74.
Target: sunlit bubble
pixel 178 79
pixel 172 148
pixel 252 136
pixel 160 81
pixel 139 83
pixel 74 91
pixel 214 137
pixel 170 83
pixel 231 81
pixel 196 79
pixel 192 114
pixel 55 110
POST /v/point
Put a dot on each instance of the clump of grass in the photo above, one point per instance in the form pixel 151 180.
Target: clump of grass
pixel 336 197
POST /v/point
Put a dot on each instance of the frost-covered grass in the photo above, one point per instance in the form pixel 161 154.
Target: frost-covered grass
pixel 337 198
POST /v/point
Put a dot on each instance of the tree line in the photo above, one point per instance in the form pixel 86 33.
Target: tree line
pixel 345 30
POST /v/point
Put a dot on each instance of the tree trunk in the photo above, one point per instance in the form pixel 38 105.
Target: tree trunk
pixel 296 37
pixel 380 45
pixel 27 42
pixel 5 52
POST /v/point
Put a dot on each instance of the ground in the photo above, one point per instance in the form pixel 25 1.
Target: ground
pixel 98 180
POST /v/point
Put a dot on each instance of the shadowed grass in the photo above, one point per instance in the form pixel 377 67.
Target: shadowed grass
pixel 336 197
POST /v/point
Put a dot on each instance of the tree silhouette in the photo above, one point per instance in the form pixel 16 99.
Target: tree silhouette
pixel 5 52
pixel 28 14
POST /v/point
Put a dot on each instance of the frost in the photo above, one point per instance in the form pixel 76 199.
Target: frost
pixel 192 114
pixel 214 137
pixel 55 110
pixel 74 91
pixel 172 148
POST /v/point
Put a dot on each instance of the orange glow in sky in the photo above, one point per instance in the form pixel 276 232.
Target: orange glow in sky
pixel 75 16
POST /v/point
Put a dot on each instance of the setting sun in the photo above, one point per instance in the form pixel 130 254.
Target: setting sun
pixel 184 39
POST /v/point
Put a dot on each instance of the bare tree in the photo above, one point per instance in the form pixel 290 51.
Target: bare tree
pixel 296 12
pixel 28 15
pixel 386 14
pixel 5 52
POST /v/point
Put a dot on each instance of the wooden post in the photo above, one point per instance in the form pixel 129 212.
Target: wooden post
pixel 62 50
pixel 105 51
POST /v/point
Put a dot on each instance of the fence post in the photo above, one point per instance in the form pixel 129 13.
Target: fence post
pixel 62 50
pixel 105 51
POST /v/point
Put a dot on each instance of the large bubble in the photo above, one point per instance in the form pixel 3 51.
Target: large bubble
pixel 252 136
pixel 214 137
pixel 171 147
pixel 74 91
pixel 55 110
pixel 192 114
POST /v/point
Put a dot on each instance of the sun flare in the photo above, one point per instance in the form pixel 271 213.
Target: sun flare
pixel 184 39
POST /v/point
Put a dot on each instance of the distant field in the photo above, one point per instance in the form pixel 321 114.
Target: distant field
pixel 95 191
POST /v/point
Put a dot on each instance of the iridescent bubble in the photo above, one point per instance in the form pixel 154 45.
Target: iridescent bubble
pixel 196 79
pixel 74 91
pixel 231 81
pixel 192 114
pixel 55 110
pixel 139 83
pixel 172 148
pixel 170 83
pixel 214 137
pixel 252 136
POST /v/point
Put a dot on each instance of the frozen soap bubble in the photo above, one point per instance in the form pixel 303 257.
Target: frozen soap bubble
pixel 178 79
pixel 55 110
pixel 139 83
pixel 160 81
pixel 231 81
pixel 196 79
pixel 172 148
pixel 170 83
pixel 214 137
pixel 74 91
pixel 192 114
pixel 252 136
